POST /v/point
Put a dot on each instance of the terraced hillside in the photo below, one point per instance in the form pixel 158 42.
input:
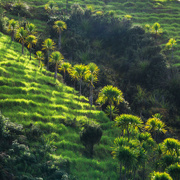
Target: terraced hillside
pixel 29 95
pixel 143 12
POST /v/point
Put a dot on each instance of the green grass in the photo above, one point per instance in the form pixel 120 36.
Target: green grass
pixel 29 95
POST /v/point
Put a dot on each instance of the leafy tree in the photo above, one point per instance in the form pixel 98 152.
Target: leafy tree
pixel 112 110
pixel 21 34
pixel 174 171
pixel 170 45
pixel 12 27
pixel 172 146
pixel 110 95
pixel 48 45
pixel 156 29
pixel 147 27
pixel 155 125
pixel 78 72
pixel 160 176
pixel 31 40
pixel 91 78
pixel 51 7
pixel 127 122
pixel 31 28
pixel 56 57
pixel 39 56
pixel 65 67
pixel 126 153
pixel 59 26
pixel 90 135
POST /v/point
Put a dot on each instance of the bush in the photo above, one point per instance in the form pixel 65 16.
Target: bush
pixel 90 135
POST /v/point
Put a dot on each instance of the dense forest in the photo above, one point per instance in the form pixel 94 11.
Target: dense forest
pixel 89 90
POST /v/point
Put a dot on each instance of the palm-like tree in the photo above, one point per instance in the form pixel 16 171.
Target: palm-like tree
pixel 171 43
pixel 59 26
pixel 111 95
pixel 39 56
pixel 91 78
pixel 48 45
pixel 57 58
pixel 12 28
pixel 126 154
pixel 160 176
pixel 127 122
pixel 31 28
pixel 21 35
pixel 154 125
pixel 78 72
pixel 65 67
pixel 156 29
pixel 51 7
pixel 31 40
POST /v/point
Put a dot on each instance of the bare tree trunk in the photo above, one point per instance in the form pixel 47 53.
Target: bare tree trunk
pixel 12 35
pixel 80 81
pixel 22 47
pixel 120 172
pixel 59 41
pixel 110 113
pixel 55 75
pixel 48 60
pixel 91 95
pixel 30 53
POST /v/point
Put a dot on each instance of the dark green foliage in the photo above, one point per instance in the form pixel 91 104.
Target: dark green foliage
pixel 20 161
pixel 174 171
pixel 90 135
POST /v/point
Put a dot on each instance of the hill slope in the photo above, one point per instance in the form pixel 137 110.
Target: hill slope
pixel 30 95
pixel 143 12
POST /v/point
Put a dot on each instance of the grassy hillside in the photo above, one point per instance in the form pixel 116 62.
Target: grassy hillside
pixel 143 12
pixel 31 95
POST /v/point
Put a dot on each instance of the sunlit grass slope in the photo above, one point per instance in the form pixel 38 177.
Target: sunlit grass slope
pixel 30 95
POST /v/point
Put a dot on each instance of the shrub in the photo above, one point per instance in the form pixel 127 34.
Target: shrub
pixel 90 135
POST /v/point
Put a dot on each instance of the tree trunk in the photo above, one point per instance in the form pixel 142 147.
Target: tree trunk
pixel 12 35
pixel 143 174
pixel 59 41
pixel 124 173
pixel 172 53
pixel 64 75
pixel 22 47
pixel 91 150
pixel 47 60
pixel 110 113
pixel 55 75
pixel 120 172
pixel 128 133
pixel 30 53
pixel 80 81
pixel 91 95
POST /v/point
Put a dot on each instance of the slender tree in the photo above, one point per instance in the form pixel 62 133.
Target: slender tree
pixel 91 78
pixel 111 95
pixel 78 72
pixel 12 28
pixel 57 58
pixel 59 26
pixel 155 126
pixel 51 7
pixel 65 67
pixel 31 40
pixel 48 45
pixel 31 29
pixel 39 56
pixel 128 122
pixel 21 35
pixel 156 29
pixel 170 45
